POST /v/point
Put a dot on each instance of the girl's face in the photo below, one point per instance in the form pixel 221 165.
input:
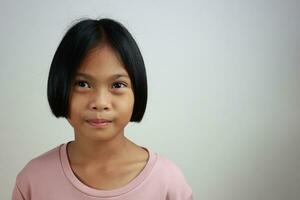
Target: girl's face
pixel 102 99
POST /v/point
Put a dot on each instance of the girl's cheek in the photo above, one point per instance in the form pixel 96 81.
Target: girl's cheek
pixel 127 102
pixel 79 97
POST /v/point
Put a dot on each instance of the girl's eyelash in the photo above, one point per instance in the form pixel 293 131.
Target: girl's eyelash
pixel 119 83
pixel 115 85
pixel 78 82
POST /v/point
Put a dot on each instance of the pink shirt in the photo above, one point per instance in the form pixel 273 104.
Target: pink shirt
pixel 50 176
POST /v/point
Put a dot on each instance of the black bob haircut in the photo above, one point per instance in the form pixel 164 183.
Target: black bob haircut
pixel 78 41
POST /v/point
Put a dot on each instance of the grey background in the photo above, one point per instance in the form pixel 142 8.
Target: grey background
pixel 224 94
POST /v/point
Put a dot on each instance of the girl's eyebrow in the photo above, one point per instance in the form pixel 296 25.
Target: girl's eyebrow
pixel 88 76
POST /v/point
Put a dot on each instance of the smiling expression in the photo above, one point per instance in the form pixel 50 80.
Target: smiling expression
pixel 101 98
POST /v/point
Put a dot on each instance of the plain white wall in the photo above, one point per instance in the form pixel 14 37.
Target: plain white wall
pixel 224 94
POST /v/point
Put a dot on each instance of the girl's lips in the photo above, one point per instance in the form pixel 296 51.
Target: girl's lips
pixel 98 123
pixel 98 120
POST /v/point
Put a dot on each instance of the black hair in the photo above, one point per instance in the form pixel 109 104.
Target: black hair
pixel 75 45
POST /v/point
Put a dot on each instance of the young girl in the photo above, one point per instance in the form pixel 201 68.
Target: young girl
pixel 97 81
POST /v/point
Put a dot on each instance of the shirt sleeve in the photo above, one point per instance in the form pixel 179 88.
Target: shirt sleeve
pixel 180 193
pixel 17 195
pixel 190 197
pixel 178 188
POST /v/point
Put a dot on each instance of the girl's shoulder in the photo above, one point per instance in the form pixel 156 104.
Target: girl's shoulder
pixel 40 165
pixel 168 166
pixel 168 172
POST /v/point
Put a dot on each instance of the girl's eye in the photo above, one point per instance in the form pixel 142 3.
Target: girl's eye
pixel 82 84
pixel 118 85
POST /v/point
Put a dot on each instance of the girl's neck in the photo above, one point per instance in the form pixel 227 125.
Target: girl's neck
pixel 86 152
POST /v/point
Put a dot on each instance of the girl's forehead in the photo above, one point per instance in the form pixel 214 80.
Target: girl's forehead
pixel 102 62
pixel 103 52
pixel 101 56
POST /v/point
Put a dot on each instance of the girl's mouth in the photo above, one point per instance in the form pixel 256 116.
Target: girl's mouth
pixel 98 123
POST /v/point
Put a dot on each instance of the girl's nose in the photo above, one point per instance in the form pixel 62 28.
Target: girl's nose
pixel 100 101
